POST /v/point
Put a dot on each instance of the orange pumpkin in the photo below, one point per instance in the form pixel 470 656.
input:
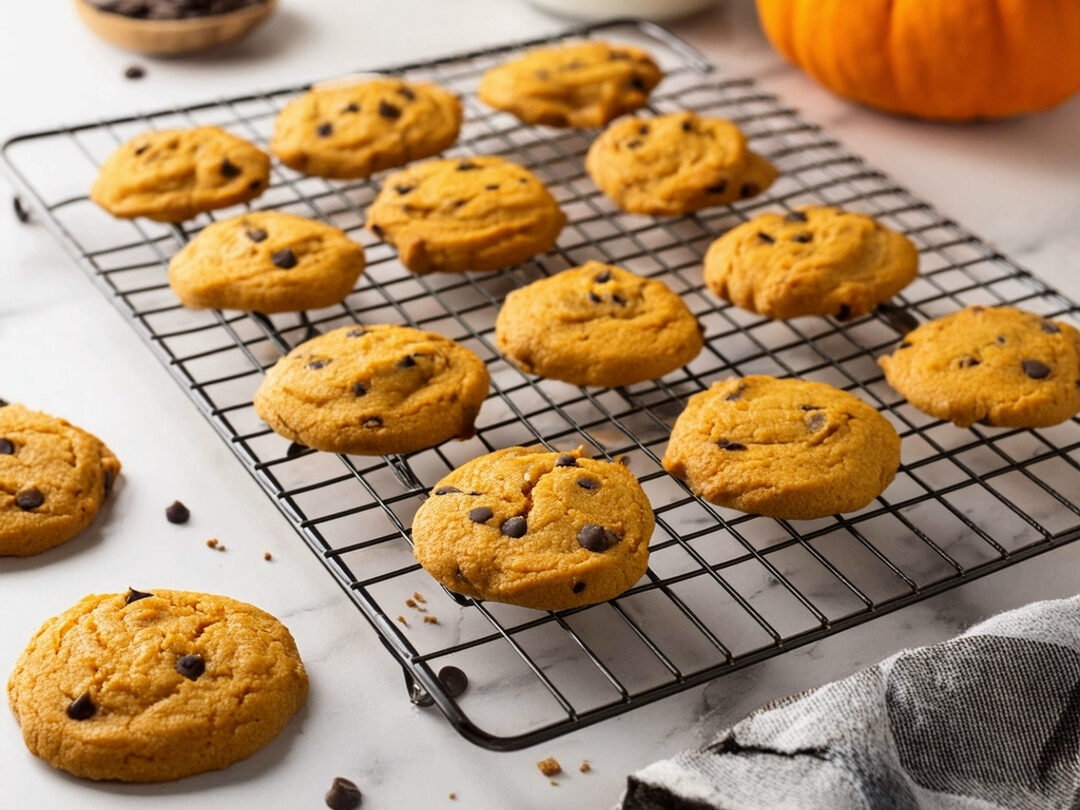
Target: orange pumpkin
pixel 942 59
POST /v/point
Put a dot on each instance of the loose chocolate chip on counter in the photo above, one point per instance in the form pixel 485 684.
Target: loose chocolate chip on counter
pixel 285 259
pixel 815 421
pixel 134 72
pixel 467 166
pixel 1050 328
pixel 719 188
pixel 315 365
pixel 81 708
pixel 748 190
pixel 514 527
pixel 403 189
pixel 795 216
pixel 727 444
pixel 6 447
pixel 843 313
pixel 1035 369
pixel 134 596
pixel 29 499
pixel 968 361
pixel 454 681
pixel 603 278
pixel 764 237
pixel 387 110
pixel 229 169
pixel 578 587
pixel 481 514
pixel 803 238
pixel 324 130
pixel 359 389
pixel 406 92
pixel 899 319
pixel 596 538
pixel 447 491
pixel 176 512
pixel 351 108
pixel 257 235
pixel 565 461
pixel 373 422
pixel 343 795
pixel 191 666
pixel 588 483
pixel 295 449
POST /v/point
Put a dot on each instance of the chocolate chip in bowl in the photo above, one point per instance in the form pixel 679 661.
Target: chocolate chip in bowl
pixel 172 27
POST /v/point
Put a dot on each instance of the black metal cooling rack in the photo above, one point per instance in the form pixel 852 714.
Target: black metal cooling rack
pixel 724 589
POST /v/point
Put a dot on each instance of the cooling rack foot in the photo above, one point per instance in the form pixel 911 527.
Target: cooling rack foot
pixel 21 213
pixel 417 694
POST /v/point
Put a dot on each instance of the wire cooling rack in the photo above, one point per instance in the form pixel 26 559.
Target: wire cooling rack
pixel 723 589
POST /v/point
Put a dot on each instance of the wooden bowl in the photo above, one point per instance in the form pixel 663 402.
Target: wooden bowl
pixel 173 37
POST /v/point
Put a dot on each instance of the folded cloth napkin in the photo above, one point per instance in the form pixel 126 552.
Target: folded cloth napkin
pixel 987 720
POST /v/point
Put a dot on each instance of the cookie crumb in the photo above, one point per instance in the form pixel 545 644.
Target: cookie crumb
pixel 221 547
pixel 584 767
pixel 431 620
pixel 212 542
pixel 410 603
pixel 549 767
pixel 402 620
pixel 553 783
pixel 176 512
pixel 451 795
pixel 267 556
pixel 343 795
pixel 419 597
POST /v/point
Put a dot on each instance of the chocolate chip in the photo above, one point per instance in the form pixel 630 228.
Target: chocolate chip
pixel 491 187
pixel 764 237
pixel 256 235
pixel 1035 369
pixel 406 92
pixel 643 129
pixel 359 389
pixel 6 447
pixel 844 312
pixel 134 72
pixel 1000 340
pixel 687 126
pixel 795 216
pixel 408 361
pixel 343 795
pixel 565 461
pixel 229 169
pixel 815 421
pixel 191 666
pixel 454 681
pixel 81 708
pixel 373 422
pixel 603 278
pixel 634 144
pixel 578 587
pixel 285 259
pixel 377 230
pixel 351 108
pixel 1050 328
pixel 295 449
pixel 467 166
pixel 719 188
pixel 29 499
pixel 596 538
pixel 748 190
pixel 588 483
pixel 4 403
pixel 727 444
pixel 513 527
pixel 618 299
pixel 904 345
pixel 596 299
pixel 141 149
pixel 324 130
pixel 802 237
pixel 968 362
pixel 481 514
pixel 387 110
pixel 734 396
pixel 403 189
pixel 315 365
pixel 809 407
pixel 134 596
pixel 354 333
pixel 176 512
pixel 447 491
pixel 254 184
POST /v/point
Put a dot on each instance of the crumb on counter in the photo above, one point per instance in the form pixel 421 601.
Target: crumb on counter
pixel 553 783
pixel 402 620
pixel 584 767
pixel 419 597
pixel 549 766
pixel 410 603
pixel 267 556
pixel 451 795
pixel 431 620
pixel 212 542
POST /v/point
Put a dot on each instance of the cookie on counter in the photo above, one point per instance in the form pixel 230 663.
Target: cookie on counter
pixel 266 261
pixel 783 448
pixel 53 480
pixel 537 529
pixel 676 164
pixel 474 213
pixel 374 390
pixel 148 687
pixel 817 260
pixel 584 84
pixel 597 325
pixel 172 175
pixel 994 365
pixel 355 130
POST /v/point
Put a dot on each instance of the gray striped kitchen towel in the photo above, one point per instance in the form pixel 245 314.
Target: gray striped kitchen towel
pixel 989 720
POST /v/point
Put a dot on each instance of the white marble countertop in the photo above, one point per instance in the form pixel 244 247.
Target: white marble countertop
pixel 63 349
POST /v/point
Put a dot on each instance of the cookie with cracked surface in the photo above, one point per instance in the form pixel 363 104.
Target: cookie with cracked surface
pixel 355 130
pixel 476 213
pixel 994 365
pixel 597 325
pixel 817 260
pixel 675 164
pixel 53 480
pixel 792 449
pixel 374 390
pixel 148 687
pixel 172 175
pixel 584 84
pixel 266 261
pixel 537 529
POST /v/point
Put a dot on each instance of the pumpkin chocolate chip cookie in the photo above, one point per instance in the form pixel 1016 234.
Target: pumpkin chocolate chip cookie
pixel 597 325
pixel 537 529
pixel 475 213
pixel 266 261
pixel 995 365
pixel 53 480
pixel 676 164
pixel 790 449
pixel 172 175
pixel 356 130
pixel 374 390
pixel 585 84
pixel 814 261
pixel 147 687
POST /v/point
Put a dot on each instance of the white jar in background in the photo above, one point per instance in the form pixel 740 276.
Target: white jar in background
pixel 607 9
